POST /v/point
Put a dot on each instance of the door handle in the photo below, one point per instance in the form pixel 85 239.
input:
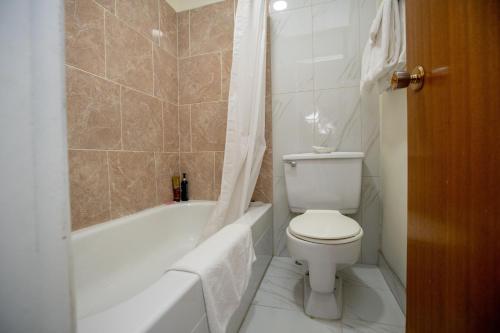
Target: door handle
pixel 403 79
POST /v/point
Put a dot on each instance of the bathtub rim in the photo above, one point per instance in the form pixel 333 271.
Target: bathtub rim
pixel 99 227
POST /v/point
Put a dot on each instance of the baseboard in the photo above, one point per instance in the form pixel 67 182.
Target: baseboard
pixel 393 281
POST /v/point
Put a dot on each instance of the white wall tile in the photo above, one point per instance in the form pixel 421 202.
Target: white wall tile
pixel 371 221
pixel 316 2
pixel 281 214
pixel 316 50
pixel 293 126
pixel 370 120
pixel 291 51
pixel 338 119
pixel 367 11
pixel 336 44
pixel 290 5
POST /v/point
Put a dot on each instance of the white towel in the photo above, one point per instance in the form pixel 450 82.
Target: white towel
pixel 385 50
pixel 224 264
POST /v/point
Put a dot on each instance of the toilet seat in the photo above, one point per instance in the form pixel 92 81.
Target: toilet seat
pixel 325 227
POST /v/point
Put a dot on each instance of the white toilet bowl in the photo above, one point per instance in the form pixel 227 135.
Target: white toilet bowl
pixel 324 239
pixel 327 241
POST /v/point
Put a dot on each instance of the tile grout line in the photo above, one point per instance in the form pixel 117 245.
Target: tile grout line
pixel 206 102
pixel 190 132
pixel 178 93
pixel 116 83
pixel 179 129
pixel 205 53
pixel 160 33
pixel 142 151
pixel 274 307
pixel 315 112
pixel 163 126
pixel 213 177
pixel 153 67
pixel 156 178
pixel 220 62
pixel 347 86
pixel 189 32
pixel 105 51
pixel 121 120
pixel 109 184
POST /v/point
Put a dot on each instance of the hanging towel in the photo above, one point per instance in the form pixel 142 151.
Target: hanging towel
pixel 385 50
pixel 402 19
pixel 224 264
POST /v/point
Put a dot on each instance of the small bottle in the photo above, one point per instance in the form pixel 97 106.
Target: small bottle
pixel 184 188
pixel 176 188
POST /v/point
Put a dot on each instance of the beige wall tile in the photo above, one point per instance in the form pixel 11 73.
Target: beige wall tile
pixel 269 122
pixel 89 188
pixel 208 126
pixel 167 165
pixel 128 56
pixel 93 111
pixel 165 75
pixel 200 79
pixel 264 187
pixel 268 71
pixel 185 128
pixel 84 35
pixel 132 178
pixel 170 127
pixel 183 33
pixel 143 16
pixel 108 4
pixel 168 27
pixel 200 173
pixel 227 60
pixel 211 27
pixel 218 165
pixel 142 121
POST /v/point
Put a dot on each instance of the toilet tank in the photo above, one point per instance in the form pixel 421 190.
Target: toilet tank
pixel 323 181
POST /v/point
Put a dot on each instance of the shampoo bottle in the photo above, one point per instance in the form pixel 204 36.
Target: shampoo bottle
pixel 184 188
pixel 176 188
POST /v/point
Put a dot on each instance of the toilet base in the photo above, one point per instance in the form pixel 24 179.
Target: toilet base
pixel 323 305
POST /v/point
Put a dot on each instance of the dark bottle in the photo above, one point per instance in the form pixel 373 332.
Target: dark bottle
pixel 184 188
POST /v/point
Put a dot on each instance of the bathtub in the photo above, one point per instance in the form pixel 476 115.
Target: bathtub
pixel 121 283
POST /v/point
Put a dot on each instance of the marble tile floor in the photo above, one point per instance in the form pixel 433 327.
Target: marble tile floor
pixel 369 305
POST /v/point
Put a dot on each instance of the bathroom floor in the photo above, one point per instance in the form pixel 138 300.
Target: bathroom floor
pixel 369 305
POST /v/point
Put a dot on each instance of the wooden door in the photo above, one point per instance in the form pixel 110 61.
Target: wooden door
pixel 454 167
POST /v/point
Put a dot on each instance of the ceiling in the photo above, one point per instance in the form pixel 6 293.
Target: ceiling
pixel 181 5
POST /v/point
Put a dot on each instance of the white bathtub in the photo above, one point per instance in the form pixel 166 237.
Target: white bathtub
pixel 119 270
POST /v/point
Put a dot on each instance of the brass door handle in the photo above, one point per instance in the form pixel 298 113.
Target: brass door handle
pixel 403 79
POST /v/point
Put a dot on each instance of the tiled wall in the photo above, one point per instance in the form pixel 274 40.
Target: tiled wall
pixel 316 54
pixel 130 92
pixel 205 54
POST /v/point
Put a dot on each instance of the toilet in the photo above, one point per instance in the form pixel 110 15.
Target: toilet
pixel 322 188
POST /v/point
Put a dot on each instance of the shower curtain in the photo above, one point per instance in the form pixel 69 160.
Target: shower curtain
pixel 245 142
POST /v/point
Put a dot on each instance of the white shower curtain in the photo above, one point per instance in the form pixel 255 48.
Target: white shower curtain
pixel 245 142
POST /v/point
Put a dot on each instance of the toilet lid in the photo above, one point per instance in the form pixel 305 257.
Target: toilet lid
pixel 324 224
